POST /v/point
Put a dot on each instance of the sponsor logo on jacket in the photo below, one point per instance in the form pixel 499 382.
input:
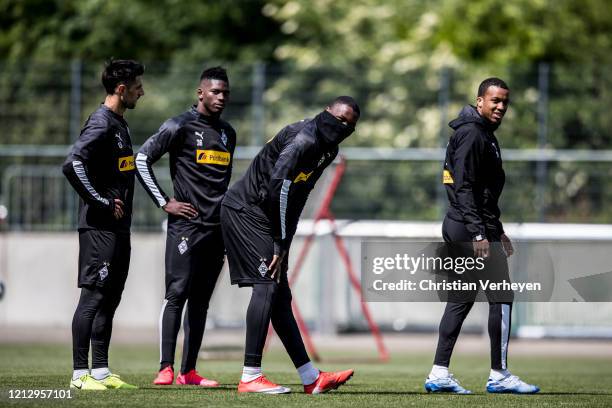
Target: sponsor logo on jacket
pixel 119 140
pixel 126 163
pixel 212 157
pixel 447 178
pixel 302 176
pixel 200 138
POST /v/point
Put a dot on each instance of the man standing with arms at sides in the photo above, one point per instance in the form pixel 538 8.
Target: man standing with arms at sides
pixel 474 179
pixel 201 146
pixel 100 167
pixel 259 217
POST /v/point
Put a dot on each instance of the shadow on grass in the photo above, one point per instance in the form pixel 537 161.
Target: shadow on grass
pixel 573 393
pixel 188 388
pixel 347 391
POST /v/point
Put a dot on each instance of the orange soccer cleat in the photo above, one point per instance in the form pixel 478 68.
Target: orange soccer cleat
pixel 193 378
pixel 165 376
pixel 328 381
pixel 262 385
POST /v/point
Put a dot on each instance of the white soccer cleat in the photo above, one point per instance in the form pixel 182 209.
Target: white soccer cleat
pixel 511 384
pixel 446 384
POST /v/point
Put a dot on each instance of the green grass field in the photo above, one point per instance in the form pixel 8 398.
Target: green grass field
pixel 564 381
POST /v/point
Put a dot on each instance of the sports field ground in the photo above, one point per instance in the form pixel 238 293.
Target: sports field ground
pixel 565 382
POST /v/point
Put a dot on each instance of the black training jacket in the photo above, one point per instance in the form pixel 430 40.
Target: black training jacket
pixel 100 167
pixel 201 150
pixel 283 173
pixel 473 174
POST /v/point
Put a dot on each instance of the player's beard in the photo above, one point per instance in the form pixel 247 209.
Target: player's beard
pixel 127 104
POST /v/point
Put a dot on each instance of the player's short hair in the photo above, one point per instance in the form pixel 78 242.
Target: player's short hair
pixel 120 72
pixel 489 82
pixel 218 73
pixel 346 100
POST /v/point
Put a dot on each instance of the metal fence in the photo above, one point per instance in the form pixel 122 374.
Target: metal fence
pixel 386 184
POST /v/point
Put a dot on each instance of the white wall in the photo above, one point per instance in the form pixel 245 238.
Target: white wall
pixel 40 274
pixel 39 271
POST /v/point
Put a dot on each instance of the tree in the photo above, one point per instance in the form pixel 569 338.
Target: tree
pixel 39 39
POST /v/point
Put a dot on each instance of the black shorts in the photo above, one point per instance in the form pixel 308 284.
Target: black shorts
pixel 104 259
pixel 249 244
pixel 192 249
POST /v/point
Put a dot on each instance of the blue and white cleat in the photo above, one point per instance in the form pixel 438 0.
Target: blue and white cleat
pixel 446 384
pixel 511 385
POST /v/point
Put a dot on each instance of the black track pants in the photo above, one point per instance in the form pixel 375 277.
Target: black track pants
pixel 455 314
pixel 194 259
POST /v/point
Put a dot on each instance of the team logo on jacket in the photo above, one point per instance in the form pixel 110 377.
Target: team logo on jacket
pixel 223 137
pixel 322 159
pixel 200 138
pixel 263 269
pixel 302 176
pixel 126 163
pixel 212 157
pixel 103 272
pixel 182 247
pixel 447 178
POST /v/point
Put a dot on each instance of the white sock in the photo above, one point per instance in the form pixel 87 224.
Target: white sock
pixel 308 373
pixel 499 374
pixel 100 373
pixel 76 374
pixel 439 371
pixel 250 373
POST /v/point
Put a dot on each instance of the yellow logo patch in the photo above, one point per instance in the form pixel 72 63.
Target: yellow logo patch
pixel 126 163
pixel 302 177
pixel 212 157
pixel 447 178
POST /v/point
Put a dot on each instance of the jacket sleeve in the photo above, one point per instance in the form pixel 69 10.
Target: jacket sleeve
pixel 497 225
pixel 150 152
pixel 232 147
pixel 278 193
pixel 468 152
pixel 76 170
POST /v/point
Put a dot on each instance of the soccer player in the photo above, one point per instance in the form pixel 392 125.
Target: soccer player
pixel 259 216
pixel 201 146
pixel 474 179
pixel 100 167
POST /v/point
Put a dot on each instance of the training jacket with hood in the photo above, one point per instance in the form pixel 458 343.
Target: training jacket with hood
pixel 473 175
pixel 100 167
pixel 281 176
